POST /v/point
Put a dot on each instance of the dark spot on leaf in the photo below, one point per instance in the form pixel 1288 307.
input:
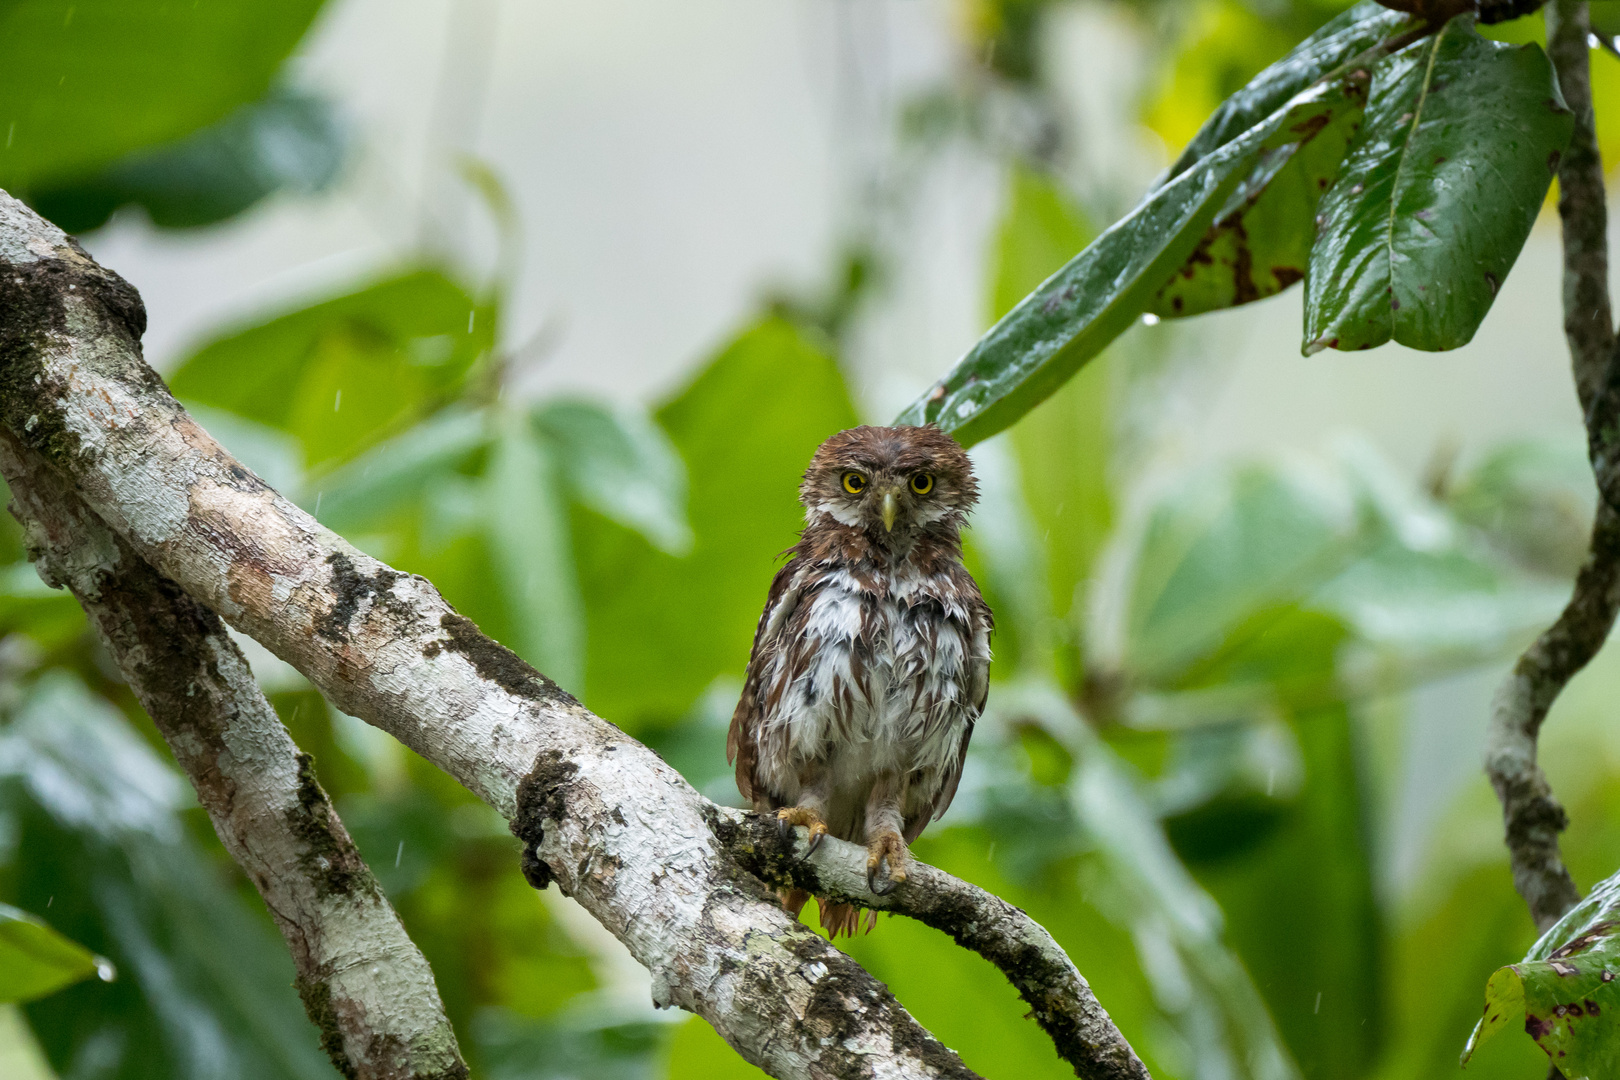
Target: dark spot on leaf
pixel 1309 128
pixel 1562 969
pixel 1286 275
pixel 1177 302
pixel 1535 1027
pixel 1394 303
pixel 1608 976
pixel 1592 1007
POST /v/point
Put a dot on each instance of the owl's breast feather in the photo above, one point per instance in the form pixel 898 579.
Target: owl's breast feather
pixel 883 675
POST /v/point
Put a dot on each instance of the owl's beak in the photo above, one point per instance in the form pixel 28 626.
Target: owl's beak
pixel 891 507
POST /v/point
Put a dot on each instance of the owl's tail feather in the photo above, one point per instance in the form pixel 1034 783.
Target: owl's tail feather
pixel 793 900
pixel 843 918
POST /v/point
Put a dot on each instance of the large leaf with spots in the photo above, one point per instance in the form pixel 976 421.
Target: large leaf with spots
pixel 1262 237
pixel 1076 312
pixel 1437 196
pixel 1566 991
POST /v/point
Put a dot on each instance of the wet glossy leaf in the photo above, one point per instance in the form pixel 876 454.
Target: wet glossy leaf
pixel 1261 239
pixel 1031 352
pixel 622 465
pixel 1461 140
pixel 346 373
pixel 1566 992
pixel 286 141
pixel 1343 37
pixel 89 82
pixel 36 960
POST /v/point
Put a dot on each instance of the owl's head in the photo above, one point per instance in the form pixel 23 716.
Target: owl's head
pixel 894 482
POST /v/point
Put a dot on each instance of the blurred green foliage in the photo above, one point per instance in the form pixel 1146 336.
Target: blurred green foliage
pixel 1199 723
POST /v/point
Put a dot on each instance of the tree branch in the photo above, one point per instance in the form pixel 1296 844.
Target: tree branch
pixel 1532 817
pixel 363 982
pixel 599 813
pixel 1060 999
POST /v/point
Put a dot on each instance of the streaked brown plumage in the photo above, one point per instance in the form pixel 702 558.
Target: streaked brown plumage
pixel 871 661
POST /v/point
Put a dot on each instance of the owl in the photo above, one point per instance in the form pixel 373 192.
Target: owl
pixel 871 661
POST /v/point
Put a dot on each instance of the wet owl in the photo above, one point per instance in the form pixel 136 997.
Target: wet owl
pixel 871 660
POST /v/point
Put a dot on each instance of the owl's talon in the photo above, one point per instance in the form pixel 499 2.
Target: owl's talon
pixel 886 852
pixel 789 816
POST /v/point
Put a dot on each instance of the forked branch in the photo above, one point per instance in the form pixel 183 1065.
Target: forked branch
pixel 599 814
pixel 364 983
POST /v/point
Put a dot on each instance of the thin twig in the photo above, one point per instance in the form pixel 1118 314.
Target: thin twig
pixel 364 984
pixel 1532 817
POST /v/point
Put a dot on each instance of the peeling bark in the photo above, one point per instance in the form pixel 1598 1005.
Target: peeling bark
pixel 600 814
pixel 364 984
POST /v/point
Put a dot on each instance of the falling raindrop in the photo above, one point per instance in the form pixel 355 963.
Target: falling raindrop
pixel 399 854
pixel 337 402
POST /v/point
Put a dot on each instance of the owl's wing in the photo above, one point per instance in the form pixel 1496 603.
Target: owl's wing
pixel 980 626
pixel 741 746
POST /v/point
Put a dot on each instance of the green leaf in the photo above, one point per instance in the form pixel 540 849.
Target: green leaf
pixel 1031 352
pixel 526 521
pixel 1261 239
pixel 1217 550
pixel 1041 230
pixel 393 475
pixel 1534 499
pixel 622 465
pixel 343 374
pixel 1566 992
pixel 204 987
pixel 88 82
pixel 1139 882
pixel 50 616
pixel 1342 38
pixel 287 140
pixel 1064 445
pixel 1461 140
pixel 36 960
pixel 745 428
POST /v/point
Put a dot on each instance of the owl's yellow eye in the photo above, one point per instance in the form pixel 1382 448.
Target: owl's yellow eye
pixel 854 483
pixel 922 483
